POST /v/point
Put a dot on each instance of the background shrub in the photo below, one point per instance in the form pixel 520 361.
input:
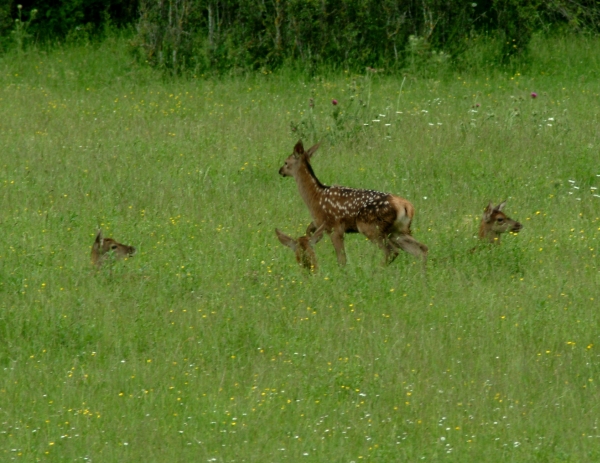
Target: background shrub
pixel 57 18
pixel 217 35
pixel 224 35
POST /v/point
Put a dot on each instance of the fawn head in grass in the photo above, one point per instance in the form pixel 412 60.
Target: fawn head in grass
pixel 103 248
pixel 303 247
pixel 494 223
pixel 382 217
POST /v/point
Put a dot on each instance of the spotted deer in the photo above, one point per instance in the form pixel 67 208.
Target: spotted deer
pixel 303 247
pixel 382 217
pixel 103 248
pixel 495 222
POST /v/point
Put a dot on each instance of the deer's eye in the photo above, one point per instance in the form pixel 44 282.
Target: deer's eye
pixel 114 246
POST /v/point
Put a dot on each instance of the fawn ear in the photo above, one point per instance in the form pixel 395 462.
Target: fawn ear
pixel 99 238
pixel 286 240
pixel 500 206
pixel 487 213
pixel 298 149
pixel 318 235
pixel 312 149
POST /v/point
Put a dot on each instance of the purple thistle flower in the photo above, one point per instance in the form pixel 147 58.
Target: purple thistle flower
pixel 533 95
pixel 334 102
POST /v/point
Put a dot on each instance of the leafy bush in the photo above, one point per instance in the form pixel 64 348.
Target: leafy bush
pixel 217 35
pixel 56 19
pixel 199 36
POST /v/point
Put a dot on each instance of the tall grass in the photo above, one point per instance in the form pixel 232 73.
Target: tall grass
pixel 212 345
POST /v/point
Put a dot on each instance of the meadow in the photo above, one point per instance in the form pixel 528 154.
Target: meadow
pixel 211 344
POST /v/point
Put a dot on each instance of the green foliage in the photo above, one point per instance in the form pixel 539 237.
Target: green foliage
pixel 348 120
pixel 20 33
pixel 203 36
pixel 6 25
pixel 516 21
pixel 218 36
pixel 57 20
pixel 211 343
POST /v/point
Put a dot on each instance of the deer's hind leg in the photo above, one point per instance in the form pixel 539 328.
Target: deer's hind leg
pixel 374 233
pixel 408 244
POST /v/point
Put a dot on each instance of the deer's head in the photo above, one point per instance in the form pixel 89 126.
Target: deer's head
pixel 495 222
pixel 303 247
pixel 103 248
pixel 299 156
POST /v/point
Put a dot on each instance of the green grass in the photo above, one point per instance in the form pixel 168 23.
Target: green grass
pixel 212 345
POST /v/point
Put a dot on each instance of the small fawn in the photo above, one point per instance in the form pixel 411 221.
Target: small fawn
pixel 104 247
pixel 303 247
pixel 495 222
pixel 382 217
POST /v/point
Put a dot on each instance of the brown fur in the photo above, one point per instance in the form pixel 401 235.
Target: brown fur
pixel 494 223
pixel 103 248
pixel 303 247
pixel 382 217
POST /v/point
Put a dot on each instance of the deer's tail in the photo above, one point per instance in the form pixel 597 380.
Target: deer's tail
pixel 405 212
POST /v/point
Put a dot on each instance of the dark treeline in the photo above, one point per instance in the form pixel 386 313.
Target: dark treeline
pixel 219 35
pixel 55 19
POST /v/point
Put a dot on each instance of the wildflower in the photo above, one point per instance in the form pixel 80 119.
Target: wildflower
pixel 311 103
pixel 533 95
pixel 334 102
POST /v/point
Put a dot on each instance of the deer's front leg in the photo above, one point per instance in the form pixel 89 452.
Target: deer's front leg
pixel 337 238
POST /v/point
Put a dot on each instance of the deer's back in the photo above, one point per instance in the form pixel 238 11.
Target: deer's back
pixel 350 206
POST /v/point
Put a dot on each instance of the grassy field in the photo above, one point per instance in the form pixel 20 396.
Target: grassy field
pixel 212 345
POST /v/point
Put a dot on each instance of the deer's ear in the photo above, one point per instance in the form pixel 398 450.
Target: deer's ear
pixel 99 238
pixel 312 149
pixel 286 240
pixel 487 213
pixel 318 235
pixel 299 149
pixel 500 206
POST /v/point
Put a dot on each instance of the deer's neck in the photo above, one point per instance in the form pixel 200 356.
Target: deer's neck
pixel 488 235
pixel 310 188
